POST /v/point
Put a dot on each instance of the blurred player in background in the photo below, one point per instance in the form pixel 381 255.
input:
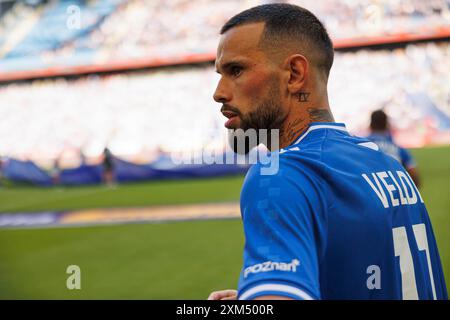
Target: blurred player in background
pixel 340 219
pixel 1 171
pixel 108 168
pixel 381 135
pixel 55 171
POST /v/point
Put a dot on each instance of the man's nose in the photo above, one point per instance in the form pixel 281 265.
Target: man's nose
pixel 222 93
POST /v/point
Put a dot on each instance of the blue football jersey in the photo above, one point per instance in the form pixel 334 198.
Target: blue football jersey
pixel 338 220
pixel 388 146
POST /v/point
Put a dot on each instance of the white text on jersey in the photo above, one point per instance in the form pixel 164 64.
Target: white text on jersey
pixel 271 266
pixel 398 183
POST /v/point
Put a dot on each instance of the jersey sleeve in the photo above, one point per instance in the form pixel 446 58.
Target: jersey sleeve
pixel 407 159
pixel 283 218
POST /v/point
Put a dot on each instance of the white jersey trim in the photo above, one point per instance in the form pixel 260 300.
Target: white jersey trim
pixel 320 126
pixel 275 287
pixel 370 145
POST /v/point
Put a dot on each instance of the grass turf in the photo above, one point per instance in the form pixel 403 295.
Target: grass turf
pixel 138 261
pixel 16 199
pixel 155 261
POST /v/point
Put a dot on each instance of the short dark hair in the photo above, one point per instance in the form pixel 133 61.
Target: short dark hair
pixel 378 121
pixel 286 21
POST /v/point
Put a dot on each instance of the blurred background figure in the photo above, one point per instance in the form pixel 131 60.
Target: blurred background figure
pixel 55 172
pixel 381 135
pixel 82 156
pixel 1 171
pixel 108 167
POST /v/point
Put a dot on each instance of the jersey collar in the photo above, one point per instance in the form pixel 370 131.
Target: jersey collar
pixel 320 125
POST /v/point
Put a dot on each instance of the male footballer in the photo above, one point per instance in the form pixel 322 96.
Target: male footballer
pixel 380 133
pixel 339 219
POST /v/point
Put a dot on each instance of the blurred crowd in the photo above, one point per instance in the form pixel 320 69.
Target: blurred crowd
pixel 143 114
pixel 170 27
pixel 132 114
pixel 411 83
pixel 161 28
pixel 124 29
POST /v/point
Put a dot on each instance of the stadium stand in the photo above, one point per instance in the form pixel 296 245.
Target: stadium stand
pixel 53 29
pixel 72 119
pixel 64 116
pixel 117 29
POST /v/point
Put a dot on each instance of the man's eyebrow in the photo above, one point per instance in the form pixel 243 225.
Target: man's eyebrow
pixel 229 64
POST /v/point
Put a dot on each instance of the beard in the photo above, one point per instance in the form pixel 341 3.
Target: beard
pixel 267 116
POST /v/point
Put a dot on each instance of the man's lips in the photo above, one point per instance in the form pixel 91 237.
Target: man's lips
pixel 229 114
pixel 229 123
pixel 232 117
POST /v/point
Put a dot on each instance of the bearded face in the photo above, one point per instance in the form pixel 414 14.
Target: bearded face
pixel 265 115
pixel 249 88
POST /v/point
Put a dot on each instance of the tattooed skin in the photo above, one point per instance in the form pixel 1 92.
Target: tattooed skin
pixel 303 96
pixel 292 130
pixel 320 115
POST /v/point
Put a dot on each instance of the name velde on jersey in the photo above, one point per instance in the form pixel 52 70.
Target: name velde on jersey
pixel 399 181
pixel 271 266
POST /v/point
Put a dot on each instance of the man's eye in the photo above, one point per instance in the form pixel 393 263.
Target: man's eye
pixel 236 71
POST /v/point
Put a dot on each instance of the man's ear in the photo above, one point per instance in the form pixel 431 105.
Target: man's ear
pixel 298 67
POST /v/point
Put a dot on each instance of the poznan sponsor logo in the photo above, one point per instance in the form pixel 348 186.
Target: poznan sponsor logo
pixel 272 266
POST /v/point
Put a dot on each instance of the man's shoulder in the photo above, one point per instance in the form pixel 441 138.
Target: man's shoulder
pixel 295 172
pixel 289 161
pixel 327 147
pixel 311 157
pixel 332 153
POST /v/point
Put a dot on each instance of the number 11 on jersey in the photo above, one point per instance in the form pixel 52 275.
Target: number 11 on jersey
pixel 402 250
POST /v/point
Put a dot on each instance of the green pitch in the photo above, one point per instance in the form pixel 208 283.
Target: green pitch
pixel 183 260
